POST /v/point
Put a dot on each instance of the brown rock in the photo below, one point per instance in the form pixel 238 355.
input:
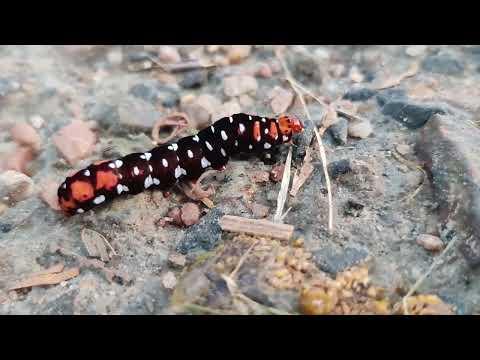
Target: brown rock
pixel 190 214
pixel 237 85
pixel 168 54
pixel 281 99
pixel 430 242
pixel 176 215
pixel 264 71
pixel 18 159
pixel 15 186
pixel 48 193
pixel 260 211
pixel 24 134
pixel 75 141
pixel 276 174
pixel 238 53
pixel 259 176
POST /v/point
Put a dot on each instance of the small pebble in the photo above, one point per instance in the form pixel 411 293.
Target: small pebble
pixel 416 50
pixel 264 71
pixel 281 99
pixel 15 186
pixel 360 129
pixel 190 214
pixel 430 242
pixel 75 141
pixel 339 131
pixel 169 54
pixel 276 174
pixel 194 79
pixel 37 121
pixel 18 159
pixel 169 280
pixel 237 85
pixel 260 211
pixel 259 176
pixel 238 53
pixel 177 260
pixel 403 149
pixel 24 134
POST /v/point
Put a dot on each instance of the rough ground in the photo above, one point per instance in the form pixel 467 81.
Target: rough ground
pixel 415 170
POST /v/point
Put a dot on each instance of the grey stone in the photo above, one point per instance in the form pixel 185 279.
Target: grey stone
pixel 443 63
pixel 411 115
pixel 359 94
pixel 333 259
pixel 145 92
pixel 339 131
pixel 194 79
pixel 104 114
pixel 446 145
pixel 204 235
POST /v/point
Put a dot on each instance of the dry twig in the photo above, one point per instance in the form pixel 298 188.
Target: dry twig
pixel 51 276
pixel 256 227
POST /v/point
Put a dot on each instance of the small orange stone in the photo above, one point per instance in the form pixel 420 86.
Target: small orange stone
pixel 106 179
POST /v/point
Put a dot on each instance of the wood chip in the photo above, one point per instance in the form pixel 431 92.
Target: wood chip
pixel 256 227
pixel 305 171
pixel 47 279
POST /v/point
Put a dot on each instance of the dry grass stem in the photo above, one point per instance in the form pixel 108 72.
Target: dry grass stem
pixel 266 228
pixel 282 194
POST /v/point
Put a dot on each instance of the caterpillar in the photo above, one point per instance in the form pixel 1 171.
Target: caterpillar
pixel 167 164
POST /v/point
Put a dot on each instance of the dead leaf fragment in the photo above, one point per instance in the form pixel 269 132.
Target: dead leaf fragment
pixel 47 279
pixel 95 244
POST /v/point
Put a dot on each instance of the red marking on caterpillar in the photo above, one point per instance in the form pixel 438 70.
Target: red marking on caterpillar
pixel 185 159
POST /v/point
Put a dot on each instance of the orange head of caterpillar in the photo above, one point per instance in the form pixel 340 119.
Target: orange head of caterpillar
pixel 289 124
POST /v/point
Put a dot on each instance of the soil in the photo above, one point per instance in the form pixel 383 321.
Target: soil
pixel 417 172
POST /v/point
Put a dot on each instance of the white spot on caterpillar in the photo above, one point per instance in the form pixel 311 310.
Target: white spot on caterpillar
pixel 208 146
pixel 125 188
pixel 205 163
pixel 190 153
pixel 250 146
pixel 99 199
pixel 268 156
pixel 80 211
pixel 111 165
pixel 178 172
pixel 150 168
pixel 267 145
pixel 148 156
pixel 178 159
pixel 285 138
pixel 223 152
pixel 241 127
pixel 173 147
pixel 119 189
pixel 259 138
pixel 196 138
pixel 213 129
pixel 266 131
pixel 64 185
pixel 224 135
pixel 165 162
pixel 118 163
pixel 184 172
pixel 156 181
pixel 236 143
pixel 136 171
pixel 231 120
pixel 120 176
pixel 142 157
pixel 276 136
pixel 86 173
pixel 250 117
pixel 148 182
pixel 263 120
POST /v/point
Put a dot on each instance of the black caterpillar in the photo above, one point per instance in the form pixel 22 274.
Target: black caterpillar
pixel 167 164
